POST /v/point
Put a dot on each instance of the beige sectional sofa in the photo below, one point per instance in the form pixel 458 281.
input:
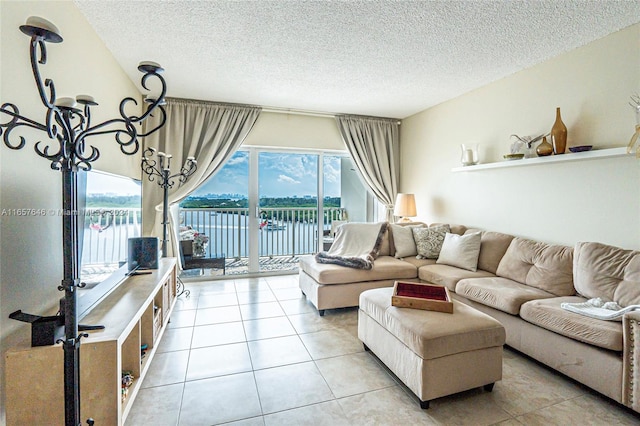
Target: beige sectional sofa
pixel 522 283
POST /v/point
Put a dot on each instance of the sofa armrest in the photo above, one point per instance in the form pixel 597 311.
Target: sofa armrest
pixel 631 360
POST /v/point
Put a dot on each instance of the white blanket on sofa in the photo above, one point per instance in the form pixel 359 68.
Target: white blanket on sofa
pixel 356 245
pixel 599 309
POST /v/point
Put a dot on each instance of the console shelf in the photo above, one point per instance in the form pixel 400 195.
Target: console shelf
pixel 134 314
pixel 569 156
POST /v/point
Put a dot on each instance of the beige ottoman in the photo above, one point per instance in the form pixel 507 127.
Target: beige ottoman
pixel 434 353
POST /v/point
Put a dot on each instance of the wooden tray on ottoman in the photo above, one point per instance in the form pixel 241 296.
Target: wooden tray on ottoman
pixel 421 296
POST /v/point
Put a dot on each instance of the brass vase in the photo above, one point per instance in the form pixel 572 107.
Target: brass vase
pixel 544 148
pixel 559 135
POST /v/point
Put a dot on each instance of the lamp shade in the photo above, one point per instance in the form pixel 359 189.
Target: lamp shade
pixel 405 205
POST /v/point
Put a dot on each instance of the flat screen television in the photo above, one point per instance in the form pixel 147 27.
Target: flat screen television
pixel 112 213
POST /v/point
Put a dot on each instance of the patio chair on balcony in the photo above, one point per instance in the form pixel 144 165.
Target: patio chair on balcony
pixel 195 262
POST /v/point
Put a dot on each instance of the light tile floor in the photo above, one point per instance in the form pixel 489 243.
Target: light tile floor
pixel 255 352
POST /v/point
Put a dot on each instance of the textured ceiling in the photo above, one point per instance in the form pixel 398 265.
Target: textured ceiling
pixel 383 58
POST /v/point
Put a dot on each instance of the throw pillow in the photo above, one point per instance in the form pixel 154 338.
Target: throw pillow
pixel 429 240
pixel 403 241
pixel 461 251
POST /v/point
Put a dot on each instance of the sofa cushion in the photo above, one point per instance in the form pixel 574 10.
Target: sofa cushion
pixel 392 247
pixel 384 268
pixel 548 314
pixel 460 250
pixel 543 266
pixel 429 240
pixel 448 276
pixel 612 273
pixel 432 334
pixel 418 263
pixel 493 246
pixel 403 242
pixel 499 293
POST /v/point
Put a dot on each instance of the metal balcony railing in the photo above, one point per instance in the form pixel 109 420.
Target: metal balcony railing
pixel 282 231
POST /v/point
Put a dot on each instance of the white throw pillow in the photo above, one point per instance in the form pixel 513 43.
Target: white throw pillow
pixel 461 251
pixel 429 240
pixel 403 240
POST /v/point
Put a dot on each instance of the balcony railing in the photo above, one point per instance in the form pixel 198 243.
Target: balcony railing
pixel 282 231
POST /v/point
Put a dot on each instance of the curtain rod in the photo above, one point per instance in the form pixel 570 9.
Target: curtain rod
pixel 298 112
pixel 278 110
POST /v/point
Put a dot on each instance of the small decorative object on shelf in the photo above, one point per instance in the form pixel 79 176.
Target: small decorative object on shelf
pixel 469 154
pixel 545 148
pixel 200 242
pixel 518 156
pixel 580 148
pixel 127 381
pixel 559 135
pixel 635 104
pixel 524 144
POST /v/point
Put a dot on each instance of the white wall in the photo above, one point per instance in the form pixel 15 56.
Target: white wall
pixel 596 200
pixel 31 246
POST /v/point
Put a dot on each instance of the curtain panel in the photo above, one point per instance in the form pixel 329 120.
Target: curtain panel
pixel 374 147
pixel 210 132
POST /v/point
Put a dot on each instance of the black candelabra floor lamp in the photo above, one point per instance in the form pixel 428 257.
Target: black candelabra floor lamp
pixel 68 128
pixel 158 169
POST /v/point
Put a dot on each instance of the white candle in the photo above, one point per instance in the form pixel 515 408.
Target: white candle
pixel 86 100
pixel 468 156
pixel 149 66
pixel 66 102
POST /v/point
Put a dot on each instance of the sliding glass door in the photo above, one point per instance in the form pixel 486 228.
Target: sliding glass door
pixel 287 203
pixel 265 208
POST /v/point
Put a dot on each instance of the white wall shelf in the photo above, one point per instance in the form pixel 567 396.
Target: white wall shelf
pixel 569 156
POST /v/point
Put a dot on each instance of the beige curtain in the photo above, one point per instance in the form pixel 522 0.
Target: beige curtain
pixel 374 147
pixel 210 132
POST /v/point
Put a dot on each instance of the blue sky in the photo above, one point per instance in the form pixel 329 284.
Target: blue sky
pixel 279 175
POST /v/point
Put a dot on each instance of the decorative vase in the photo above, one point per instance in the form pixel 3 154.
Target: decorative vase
pixel 469 154
pixel 559 135
pixel 544 148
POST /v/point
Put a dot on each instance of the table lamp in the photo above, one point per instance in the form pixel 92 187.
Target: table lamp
pixel 405 207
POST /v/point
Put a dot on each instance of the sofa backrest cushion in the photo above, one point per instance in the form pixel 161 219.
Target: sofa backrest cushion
pixel 608 272
pixel 455 229
pixel 493 246
pixel 540 265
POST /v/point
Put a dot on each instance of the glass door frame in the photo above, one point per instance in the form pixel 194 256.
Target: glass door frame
pixel 253 194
